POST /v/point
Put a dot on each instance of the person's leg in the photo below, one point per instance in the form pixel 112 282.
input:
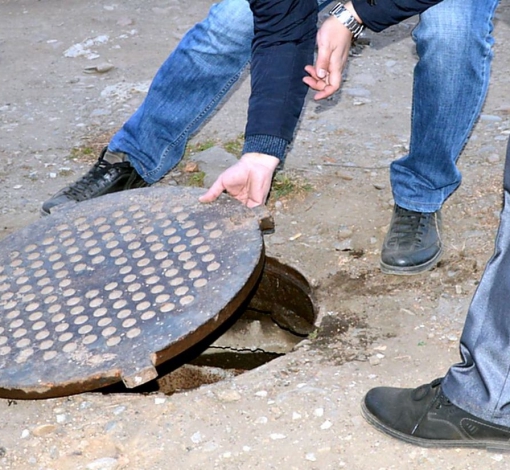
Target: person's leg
pixel 470 406
pixel 187 88
pixel 185 91
pixel 453 41
pixel 480 384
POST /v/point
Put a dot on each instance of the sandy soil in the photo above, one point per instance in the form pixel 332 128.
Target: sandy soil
pixel 300 411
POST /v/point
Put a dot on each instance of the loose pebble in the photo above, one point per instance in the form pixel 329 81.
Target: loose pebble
pixel 44 430
pixel 228 396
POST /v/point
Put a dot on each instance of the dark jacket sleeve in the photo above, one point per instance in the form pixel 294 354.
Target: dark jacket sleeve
pixel 284 42
pixel 380 14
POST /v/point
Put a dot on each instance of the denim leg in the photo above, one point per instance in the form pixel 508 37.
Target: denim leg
pixel 454 44
pixel 481 383
pixel 186 89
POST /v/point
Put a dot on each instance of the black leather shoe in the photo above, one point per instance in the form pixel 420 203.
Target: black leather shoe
pixel 413 242
pixel 109 175
pixel 424 416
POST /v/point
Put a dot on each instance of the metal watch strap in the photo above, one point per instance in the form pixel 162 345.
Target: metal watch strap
pixel 340 12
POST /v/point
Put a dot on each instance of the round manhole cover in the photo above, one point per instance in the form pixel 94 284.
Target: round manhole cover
pixel 109 288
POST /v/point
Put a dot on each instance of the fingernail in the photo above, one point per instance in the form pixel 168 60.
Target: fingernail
pixel 321 73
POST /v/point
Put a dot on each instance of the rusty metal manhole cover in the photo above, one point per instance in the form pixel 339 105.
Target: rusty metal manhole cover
pixel 107 289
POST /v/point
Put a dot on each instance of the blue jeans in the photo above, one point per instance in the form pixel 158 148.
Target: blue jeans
pixel 187 89
pixel 481 383
pixel 453 41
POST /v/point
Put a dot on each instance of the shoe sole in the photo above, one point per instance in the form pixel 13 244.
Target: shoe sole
pixel 46 213
pixel 492 446
pixel 411 270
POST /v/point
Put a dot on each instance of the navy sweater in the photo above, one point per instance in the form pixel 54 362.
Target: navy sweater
pixel 284 43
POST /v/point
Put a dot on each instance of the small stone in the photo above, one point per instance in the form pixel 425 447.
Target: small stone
pixel 119 409
pixel 490 118
pixel 99 68
pixel 326 425
pixel 344 232
pixel 277 436
pixel 318 412
pixel 44 430
pixel 125 21
pixel 311 457
pixel 261 420
pixel 374 360
pixel 196 438
pixel 159 400
pixel 261 393
pixel 228 396
pixel 61 418
pixel 493 158
pixel 344 176
pixel 191 167
pixel 110 426
pixel 105 463
pixel 379 186
pixel 344 245
pixel 296 416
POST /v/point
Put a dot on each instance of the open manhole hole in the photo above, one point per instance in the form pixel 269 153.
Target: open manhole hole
pixel 125 287
pixel 278 314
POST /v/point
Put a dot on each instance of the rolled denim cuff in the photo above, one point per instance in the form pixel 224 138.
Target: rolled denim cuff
pixel 267 144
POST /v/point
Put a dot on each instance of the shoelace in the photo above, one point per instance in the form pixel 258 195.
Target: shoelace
pixel 93 179
pixel 409 223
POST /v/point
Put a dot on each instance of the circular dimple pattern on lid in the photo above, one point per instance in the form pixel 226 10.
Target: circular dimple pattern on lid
pixel 95 280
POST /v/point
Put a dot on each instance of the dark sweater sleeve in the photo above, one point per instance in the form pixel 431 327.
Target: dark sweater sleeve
pixel 284 42
pixel 380 14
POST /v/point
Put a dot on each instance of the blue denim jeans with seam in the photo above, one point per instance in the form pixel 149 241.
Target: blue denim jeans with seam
pixel 480 384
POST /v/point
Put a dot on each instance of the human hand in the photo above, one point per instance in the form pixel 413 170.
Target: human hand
pixel 334 42
pixel 248 181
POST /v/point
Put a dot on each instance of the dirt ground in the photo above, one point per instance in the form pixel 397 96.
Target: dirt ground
pixel 300 411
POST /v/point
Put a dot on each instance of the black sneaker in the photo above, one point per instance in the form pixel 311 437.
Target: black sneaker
pixel 424 416
pixel 413 242
pixel 110 174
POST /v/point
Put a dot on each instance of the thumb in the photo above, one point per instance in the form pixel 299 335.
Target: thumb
pixel 213 192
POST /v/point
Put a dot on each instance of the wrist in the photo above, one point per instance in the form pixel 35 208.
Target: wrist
pixel 347 16
pixel 268 161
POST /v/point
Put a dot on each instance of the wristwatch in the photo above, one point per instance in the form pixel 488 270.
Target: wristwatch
pixel 344 15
